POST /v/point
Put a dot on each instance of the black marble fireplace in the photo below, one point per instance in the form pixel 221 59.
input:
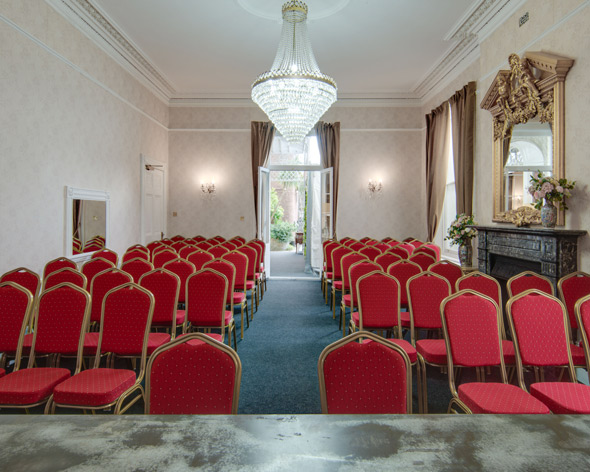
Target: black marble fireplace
pixel 504 251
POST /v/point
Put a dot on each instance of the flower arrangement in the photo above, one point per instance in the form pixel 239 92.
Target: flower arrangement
pixel 459 232
pixel 550 189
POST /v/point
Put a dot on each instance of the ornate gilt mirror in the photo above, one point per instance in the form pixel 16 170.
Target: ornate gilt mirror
pixel 528 110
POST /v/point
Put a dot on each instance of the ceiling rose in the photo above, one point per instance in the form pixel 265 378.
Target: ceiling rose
pixel 268 10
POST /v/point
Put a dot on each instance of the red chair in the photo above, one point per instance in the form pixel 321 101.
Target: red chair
pixel 425 293
pixel 199 257
pixel 125 325
pixel 25 278
pixel 57 332
pixel 365 239
pixel 432 247
pixel 356 246
pixel 131 254
pixel 171 386
pixel 16 306
pixel 106 254
pixel 408 247
pixel 238 239
pixel 349 242
pixel 400 251
pixel 198 238
pixel 336 280
pixel 393 242
pixel 528 280
pixel 153 246
pixel 426 249
pixel 422 259
pixel 138 247
pixel 371 252
pixel 416 243
pixel 370 377
pixel 57 264
pixel 178 245
pixel 218 251
pixel 571 288
pixel 350 300
pixel 475 342
pixel 92 246
pixel 241 284
pixel 261 274
pixel 386 259
pixel 183 269
pixel 76 245
pixel 327 266
pixel 93 267
pixel 164 286
pixel 66 274
pixel 229 245
pixel 252 256
pixel 206 292
pixel 382 247
pixel 136 268
pixel 167 242
pixel 403 270
pixel 218 239
pixel 540 331
pixel 386 239
pixel 177 238
pixel 451 272
pixel 160 258
pixel 346 263
pixel 582 311
pixel 187 250
pixel 204 245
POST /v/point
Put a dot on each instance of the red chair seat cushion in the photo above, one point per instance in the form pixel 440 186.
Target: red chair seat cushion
pixel 499 398
pixel 578 357
pixel 90 344
pixel 249 285
pixel 407 347
pixel 405 317
pixel 180 314
pixel 433 351
pixel 563 397
pixel 229 316
pixel 337 285
pixel 508 351
pixel 30 386
pixel 195 342
pixel 239 298
pixel 346 300
pixel 328 275
pixel 94 387
pixel 155 340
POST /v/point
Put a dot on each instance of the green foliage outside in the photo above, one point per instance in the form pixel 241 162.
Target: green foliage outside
pixel 282 231
pixel 276 210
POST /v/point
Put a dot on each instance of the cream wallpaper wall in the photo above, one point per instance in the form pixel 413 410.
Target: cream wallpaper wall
pixel 560 27
pixel 70 116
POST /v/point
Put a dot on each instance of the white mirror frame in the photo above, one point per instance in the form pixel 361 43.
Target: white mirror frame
pixel 73 193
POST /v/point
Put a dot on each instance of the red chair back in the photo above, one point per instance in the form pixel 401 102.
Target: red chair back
pixel 66 274
pixel 138 247
pixel 422 259
pixel 386 259
pixel 255 244
pixel 226 268
pixel 198 258
pixel 106 254
pixel 427 250
pixel 153 245
pixel 16 304
pixel 408 247
pixel 416 243
pixel 403 270
pixel 25 278
pixel 178 245
pixel 481 283
pixel 125 322
pixel 539 329
pixel 370 242
pixel 187 250
pixel 393 243
pixel 346 262
pixel 164 286
pixel 160 258
pixel 451 272
pixel 101 284
pixel 239 240
pixel 382 247
pixel 337 256
pixel 571 288
pixel 136 268
pixel 219 239
pixel 328 249
pixel 252 256
pixel 425 292
pixel 229 245
pixel 167 242
pixel 218 251
pixel 206 296
pixel 582 311
pixel 378 301
pixel 349 242
pixel 198 238
pixel 183 269
pixel 356 271
pixel 93 267
pixel 135 254
pixel 400 251
pixel 170 385
pixel 177 238
pixel 356 246
pixel 204 245
pixel 365 239
pixel 528 280
pixel 371 377
pixel 57 264
pixel 240 262
pixel 371 252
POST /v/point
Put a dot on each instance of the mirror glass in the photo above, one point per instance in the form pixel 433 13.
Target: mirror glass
pixel 530 150
pixel 87 222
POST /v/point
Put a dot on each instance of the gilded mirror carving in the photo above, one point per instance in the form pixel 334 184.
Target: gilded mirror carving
pixel 527 107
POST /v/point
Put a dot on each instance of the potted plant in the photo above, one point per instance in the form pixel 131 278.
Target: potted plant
pixel 461 232
pixel 281 234
pixel 549 189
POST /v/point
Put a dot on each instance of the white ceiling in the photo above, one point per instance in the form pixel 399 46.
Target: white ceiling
pixel 215 49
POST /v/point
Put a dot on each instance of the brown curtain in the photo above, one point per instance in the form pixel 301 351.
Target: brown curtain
pixel 463 126
pixel 437 136
pixel 328 136
pixel 262 134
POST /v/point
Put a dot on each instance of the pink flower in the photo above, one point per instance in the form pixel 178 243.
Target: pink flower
pixel 537 195
pixel 559 188
pixel 547 187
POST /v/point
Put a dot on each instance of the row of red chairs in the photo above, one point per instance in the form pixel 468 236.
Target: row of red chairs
pixel 93 244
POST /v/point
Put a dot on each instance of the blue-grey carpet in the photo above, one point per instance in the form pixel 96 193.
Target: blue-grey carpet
pixel 288 264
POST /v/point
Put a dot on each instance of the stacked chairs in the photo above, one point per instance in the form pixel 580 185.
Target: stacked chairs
pixel 93 267
pixel 93 245
pixel 107 254
pixel 528 280
pixel 451 272
pixel 426 292
pixel 365 374
pixel 57 332
pixel 126 309
pixel 540 331
pixel 67 274
pixel 165 287
pixel 76 245
pixel 137 267
pixel 193 375
pixel 57 264
pixel 206 293
pixel 472 329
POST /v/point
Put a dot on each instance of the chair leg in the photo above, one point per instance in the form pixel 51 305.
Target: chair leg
pixel 422 367
pixel 235 341
pixel 242 322
pixel 247 316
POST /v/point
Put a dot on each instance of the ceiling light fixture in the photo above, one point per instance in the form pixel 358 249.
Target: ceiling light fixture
pixel 294 94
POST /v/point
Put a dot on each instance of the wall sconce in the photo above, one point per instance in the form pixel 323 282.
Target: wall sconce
pixel 208 189
pixel 374 187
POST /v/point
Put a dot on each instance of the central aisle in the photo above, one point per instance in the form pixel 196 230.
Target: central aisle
pixel 280 350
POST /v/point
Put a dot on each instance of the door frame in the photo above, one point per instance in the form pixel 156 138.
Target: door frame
pixel 144 161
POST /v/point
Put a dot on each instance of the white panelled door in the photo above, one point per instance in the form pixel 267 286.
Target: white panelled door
pixel 264 214
pixel 327 204
pixel 153 200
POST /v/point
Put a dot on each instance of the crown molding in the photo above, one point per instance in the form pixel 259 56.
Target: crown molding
pixel 106 34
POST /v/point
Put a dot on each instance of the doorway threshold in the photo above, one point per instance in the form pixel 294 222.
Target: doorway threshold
pixel 311 279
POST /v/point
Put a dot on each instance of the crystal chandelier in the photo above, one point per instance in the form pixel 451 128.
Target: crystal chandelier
pixel 294 94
